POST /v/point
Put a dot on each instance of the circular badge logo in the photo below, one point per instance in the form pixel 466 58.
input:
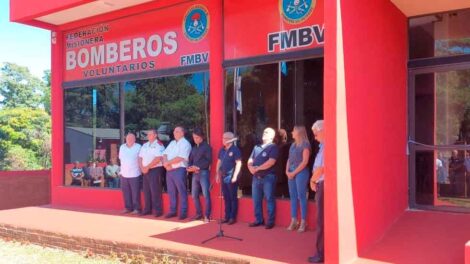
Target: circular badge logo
pixel 296 11
pixel 196 23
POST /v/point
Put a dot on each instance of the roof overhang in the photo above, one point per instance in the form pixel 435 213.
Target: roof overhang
pixel 413 8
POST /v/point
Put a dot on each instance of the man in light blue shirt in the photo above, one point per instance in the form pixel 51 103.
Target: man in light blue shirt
pixel 175 161
pixel 316 183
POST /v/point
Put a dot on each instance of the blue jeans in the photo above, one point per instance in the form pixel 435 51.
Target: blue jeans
pixel 113 182
pixel 229 191
pixel 176 182
pixel 131 193
pixel 201 181
pixel 298 191
pixel 264 186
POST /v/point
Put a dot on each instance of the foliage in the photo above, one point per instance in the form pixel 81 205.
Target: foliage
pixel 19 88
pixel 24 139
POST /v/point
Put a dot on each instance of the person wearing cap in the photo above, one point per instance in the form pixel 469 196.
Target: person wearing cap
pixel 228 169
pixel 175 161
pixel 261 165
pixel 200 160
pixel 130 172
pixel 150 162
pixel 316 184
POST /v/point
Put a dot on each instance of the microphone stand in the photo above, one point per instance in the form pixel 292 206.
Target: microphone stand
pixel 220 233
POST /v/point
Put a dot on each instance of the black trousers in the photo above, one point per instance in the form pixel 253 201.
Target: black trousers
pixel 152 187
pixel 320 245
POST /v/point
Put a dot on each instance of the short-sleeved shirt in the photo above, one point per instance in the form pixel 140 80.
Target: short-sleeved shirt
pixel 228 158
pixel 180 148
pixel 319 161
pixel 296 155
pixel 150 151
pixel 76 172
pixel 201 156
pixel 129 160
pixel 262 154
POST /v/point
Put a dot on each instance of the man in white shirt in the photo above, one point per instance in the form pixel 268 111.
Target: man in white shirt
pixel 175 161
pixel 130 172
pixel 150 161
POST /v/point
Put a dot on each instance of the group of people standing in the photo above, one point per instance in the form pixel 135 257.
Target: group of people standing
pixel 178 159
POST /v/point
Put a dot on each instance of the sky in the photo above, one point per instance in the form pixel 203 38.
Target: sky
pixel 24 45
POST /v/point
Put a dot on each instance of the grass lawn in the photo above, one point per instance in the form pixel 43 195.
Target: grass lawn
pixel 20 253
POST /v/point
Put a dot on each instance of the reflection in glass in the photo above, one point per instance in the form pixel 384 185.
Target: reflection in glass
pixel 278 95
pixel 166 102
pixel 91 128
pixel 444 34
pixel 443 177
pixel 442 105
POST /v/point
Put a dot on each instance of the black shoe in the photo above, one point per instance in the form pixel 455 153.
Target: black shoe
pixel 269 226
pixel 144 213
pixel 182 217
pixel 255 224
pixel 197 217
pixel 224 221
pixel 231 221
pixel 158 214
pixel 315 259
pixel 170 215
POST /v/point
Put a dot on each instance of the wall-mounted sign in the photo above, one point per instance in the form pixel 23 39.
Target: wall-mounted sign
pixel 256 28
pixel 164 38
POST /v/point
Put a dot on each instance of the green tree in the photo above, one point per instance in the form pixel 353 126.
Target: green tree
pixel 24 138
pixel 46 94
pixel 19 88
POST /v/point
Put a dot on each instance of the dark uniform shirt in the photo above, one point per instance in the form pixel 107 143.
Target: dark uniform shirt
pixel 260 155
pixel 228 158
pixel 201 156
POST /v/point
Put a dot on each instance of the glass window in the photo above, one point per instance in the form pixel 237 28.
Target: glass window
pixel 278 95
pixel 97 116
pixel 438 35
pixel 443 178
pixel 442 106
pixel 92 134
pixel 166 102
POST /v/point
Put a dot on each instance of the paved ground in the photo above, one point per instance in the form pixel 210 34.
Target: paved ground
pixel 258 246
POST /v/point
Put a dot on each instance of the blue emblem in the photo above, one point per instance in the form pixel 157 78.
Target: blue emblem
pixel 196 23
pixel 296 11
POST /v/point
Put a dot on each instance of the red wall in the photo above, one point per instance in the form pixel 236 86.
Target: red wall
pixel 24 188
pixel 331 205
pixel 375 54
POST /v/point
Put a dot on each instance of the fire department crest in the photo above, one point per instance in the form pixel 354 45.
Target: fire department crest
pixel 196 23
pixel 296 11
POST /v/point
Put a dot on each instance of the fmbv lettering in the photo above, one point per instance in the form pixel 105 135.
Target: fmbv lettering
pixel 294 38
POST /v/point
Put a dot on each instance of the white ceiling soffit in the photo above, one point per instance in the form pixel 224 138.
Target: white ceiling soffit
pixel 88 10
pixel 422 7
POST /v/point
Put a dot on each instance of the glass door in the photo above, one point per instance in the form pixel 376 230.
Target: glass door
pixel 439 137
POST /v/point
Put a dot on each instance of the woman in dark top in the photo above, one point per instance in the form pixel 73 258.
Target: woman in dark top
pixel 298 174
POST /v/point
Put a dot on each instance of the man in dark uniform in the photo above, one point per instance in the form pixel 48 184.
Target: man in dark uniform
pixel 199 164
pixel 228 169
pixel 261 165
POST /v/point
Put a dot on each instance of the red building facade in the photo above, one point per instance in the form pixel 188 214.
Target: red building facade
pixel 248 65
